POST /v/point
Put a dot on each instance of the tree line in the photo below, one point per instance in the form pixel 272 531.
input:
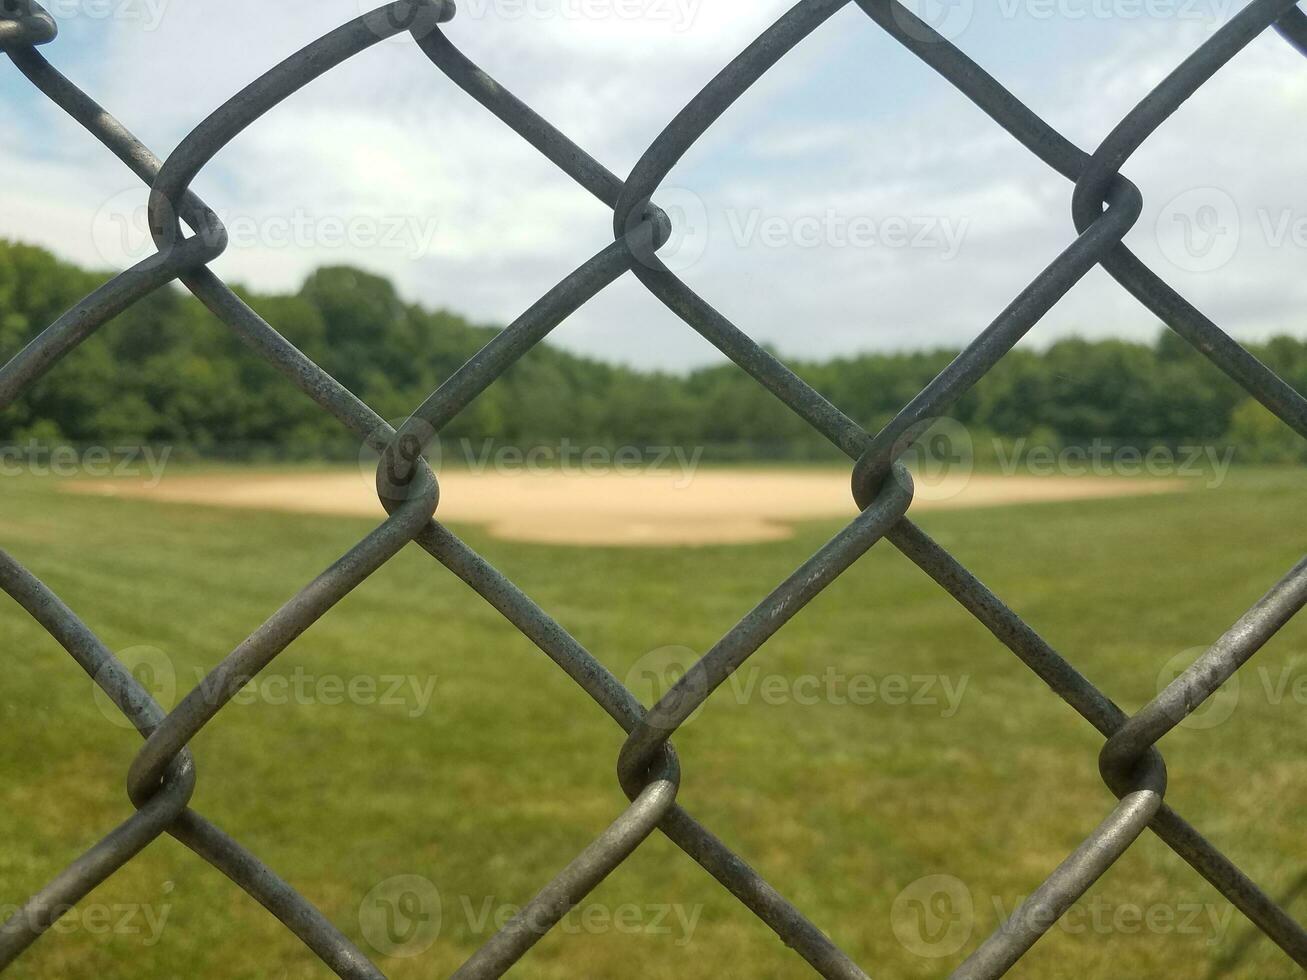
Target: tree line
pixel 166 372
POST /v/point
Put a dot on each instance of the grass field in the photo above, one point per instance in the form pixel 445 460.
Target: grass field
pixel 491 787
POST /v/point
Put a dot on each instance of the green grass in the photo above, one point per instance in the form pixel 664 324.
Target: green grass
pixel 511 770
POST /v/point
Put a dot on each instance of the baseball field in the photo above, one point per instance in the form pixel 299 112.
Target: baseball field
pixel 418 769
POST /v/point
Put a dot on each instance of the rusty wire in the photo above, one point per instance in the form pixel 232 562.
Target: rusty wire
pixel 1105 207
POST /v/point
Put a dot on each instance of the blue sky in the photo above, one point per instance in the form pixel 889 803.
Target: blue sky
pixel 851 201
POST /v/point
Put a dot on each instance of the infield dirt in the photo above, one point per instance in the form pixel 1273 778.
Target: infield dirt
pixel 710 506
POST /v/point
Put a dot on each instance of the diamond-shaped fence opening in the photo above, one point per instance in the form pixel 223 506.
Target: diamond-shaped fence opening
pixel 1106 205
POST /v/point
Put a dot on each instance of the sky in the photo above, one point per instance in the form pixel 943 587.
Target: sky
pixel 851 201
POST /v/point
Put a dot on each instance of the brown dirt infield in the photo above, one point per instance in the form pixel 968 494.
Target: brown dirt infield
pixel 709 506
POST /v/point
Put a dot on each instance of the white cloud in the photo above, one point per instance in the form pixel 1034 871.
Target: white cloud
pixel 848 124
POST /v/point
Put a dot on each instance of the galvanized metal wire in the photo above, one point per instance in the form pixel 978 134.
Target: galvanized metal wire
pixel 1106 205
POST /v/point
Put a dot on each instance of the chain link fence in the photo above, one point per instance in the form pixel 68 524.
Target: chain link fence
pixel 1105 207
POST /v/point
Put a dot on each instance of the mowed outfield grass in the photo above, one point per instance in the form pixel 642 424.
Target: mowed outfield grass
pixel 510 770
